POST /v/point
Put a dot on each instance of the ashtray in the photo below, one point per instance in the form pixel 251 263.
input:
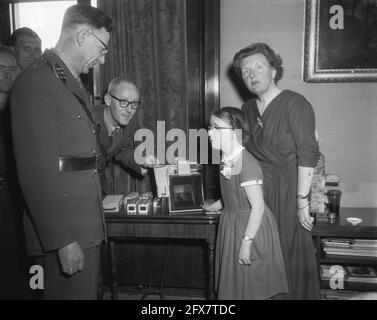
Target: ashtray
pixel 354 221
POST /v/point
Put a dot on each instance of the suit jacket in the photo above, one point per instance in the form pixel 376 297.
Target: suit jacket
pixel 120 152
pixel 5 149
pixel 49 121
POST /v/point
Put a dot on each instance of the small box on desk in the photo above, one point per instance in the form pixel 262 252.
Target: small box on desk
pixel 113 203
pixel 136 204
pixel 145 206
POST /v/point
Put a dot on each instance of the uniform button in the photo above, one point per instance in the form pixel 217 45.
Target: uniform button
pixel 79 116
pixel 95 171
pixel 94 152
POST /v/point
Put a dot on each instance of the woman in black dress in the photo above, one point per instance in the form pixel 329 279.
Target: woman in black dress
pixel 282 125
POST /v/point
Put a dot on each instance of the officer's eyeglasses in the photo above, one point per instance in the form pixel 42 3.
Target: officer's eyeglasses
pixel 105 48
pixel 124 103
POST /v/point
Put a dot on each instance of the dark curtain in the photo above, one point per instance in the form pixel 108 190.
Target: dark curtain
pixel 148 46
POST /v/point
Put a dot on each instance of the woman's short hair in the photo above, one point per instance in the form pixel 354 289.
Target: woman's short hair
pixel 273 59
pixel 236 119
pixel 83 14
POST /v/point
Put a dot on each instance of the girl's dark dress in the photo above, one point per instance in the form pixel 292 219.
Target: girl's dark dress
pixel 283 139
pixel 266 276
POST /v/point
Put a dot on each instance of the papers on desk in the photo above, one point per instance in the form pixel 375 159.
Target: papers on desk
pixel 161 175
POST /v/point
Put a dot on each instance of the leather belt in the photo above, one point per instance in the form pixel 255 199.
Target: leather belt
pixel 81 163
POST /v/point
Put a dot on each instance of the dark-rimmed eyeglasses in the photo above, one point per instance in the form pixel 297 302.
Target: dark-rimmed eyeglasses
pixel 124 103
pixel 105 48
pixel 218 128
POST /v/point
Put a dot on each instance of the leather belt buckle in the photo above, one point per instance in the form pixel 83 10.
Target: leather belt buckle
pixel 100 163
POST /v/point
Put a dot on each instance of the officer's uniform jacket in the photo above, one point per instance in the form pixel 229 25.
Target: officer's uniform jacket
pixel 48 122
pixel 119 149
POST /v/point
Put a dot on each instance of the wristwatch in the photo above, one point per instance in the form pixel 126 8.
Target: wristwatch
pixel 247 238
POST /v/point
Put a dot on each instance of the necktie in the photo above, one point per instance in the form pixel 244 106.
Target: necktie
pixel 115 131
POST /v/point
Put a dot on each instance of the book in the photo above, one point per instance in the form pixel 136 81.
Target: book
pixel 343 243
pixel 365 243
pixel 329 294
pixel 353 249
pixel 351 253
pixel 361 271
pixel 349 247
pixel 325 271
pixel 362 274
pixel 354 274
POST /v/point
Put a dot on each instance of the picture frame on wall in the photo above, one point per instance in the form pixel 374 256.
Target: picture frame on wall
pixel 340 41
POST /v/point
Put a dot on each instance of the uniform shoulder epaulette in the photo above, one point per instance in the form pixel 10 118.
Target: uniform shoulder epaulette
pixel 59 71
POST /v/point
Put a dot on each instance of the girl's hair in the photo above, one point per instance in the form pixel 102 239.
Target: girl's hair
pixel 273 59
pixel 236 119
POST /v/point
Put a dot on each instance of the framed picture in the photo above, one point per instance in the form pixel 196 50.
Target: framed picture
pixel 340 41
pixel 186 193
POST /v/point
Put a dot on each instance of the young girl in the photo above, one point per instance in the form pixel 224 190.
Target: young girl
pixel 249 262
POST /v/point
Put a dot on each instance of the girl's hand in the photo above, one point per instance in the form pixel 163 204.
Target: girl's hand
pixel 212 207
pixel 244 253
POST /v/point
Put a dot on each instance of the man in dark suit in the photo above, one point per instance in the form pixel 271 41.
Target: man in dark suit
pixel 27 46
pixel 119 118
pixel 58 157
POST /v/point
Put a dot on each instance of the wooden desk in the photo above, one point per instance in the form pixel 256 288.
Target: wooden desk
pixel 199 227
pixel 342 228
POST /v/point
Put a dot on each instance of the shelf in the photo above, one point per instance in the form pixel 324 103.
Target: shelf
pixel 342 229
pixel 346 260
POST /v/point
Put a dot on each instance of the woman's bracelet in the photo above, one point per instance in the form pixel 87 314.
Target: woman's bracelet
pixel 300 196
pixel 307 205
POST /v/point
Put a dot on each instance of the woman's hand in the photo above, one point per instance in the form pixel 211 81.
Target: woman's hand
pixel 304 216
pixel 244 252
pixel 212 207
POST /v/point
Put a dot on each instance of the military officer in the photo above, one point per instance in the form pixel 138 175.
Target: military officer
pixel 58 156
